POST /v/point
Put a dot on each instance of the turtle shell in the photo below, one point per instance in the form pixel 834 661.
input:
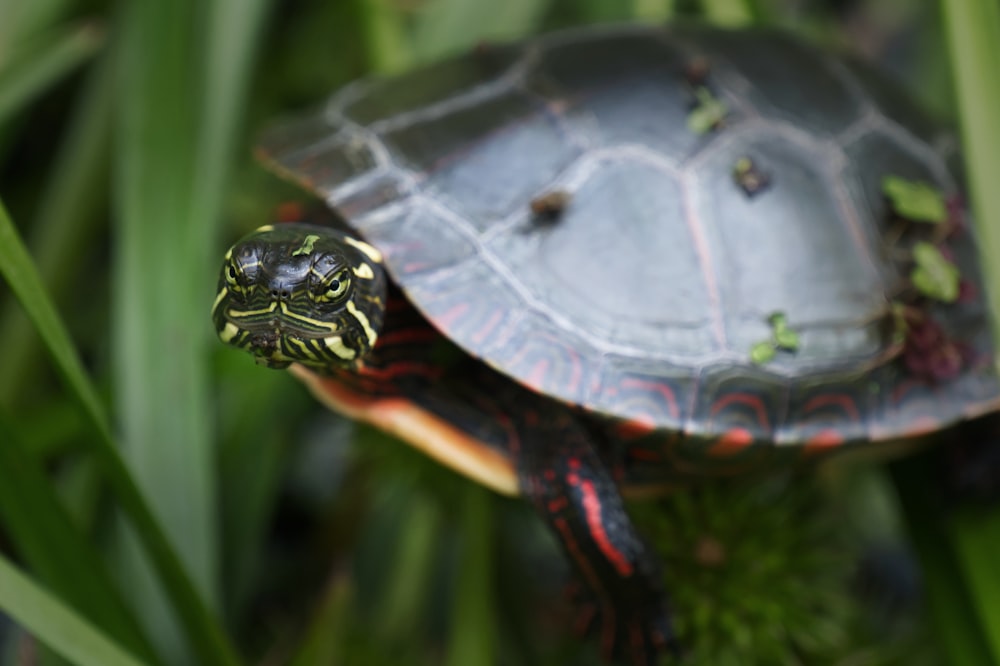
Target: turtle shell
pixel 613 216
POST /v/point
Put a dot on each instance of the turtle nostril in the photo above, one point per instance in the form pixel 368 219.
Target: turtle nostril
pixel 285 294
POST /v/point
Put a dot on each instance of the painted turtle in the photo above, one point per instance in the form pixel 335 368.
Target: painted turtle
pixel 655 255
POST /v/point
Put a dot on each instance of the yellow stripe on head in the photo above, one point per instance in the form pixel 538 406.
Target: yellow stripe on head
pixel 371 252
pixel 363 320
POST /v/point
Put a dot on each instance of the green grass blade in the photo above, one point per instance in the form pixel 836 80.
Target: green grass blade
pixel 327 634
pixel 973 31
pixel 653 11
pixel 473 623
pixel 446 26
pixel 18 270
pixel 23 279
pixel 950 606
pixel 56 625
pixel 388 44
pixel 34 70
pixel 972 28
pixel 19 20
pixel 67 218
pixel 55 549
pixel 728 13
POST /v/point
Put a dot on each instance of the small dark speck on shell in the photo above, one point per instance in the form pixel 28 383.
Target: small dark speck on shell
pixel 749 177
pixel 549 206
pixel 696 71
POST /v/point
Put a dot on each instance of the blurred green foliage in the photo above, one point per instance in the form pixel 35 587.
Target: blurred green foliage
pixel 170 501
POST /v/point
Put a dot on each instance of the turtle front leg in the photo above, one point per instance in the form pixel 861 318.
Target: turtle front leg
pixel 572 489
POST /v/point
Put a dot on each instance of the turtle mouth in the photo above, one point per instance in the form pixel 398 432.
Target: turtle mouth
pixel 277 337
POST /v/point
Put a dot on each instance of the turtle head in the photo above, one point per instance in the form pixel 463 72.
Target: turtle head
pixel 298 293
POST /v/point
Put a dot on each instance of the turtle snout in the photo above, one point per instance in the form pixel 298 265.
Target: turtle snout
pixel 280 291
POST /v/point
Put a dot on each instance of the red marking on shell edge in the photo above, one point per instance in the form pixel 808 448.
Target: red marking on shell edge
pixel 845 402
pixel 479 336
pixel 536 377
pixel 635 428
pixel 656 387
pixel 748 399
pixel 450 316
pixel 823 440
pixel 731 442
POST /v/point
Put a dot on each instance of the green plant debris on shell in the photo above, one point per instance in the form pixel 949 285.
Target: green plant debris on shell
pixel 307 245
pixel 899 326
pixel 916 201
pixel 708 114
pixel 786 339
pixel 933 275
pixel 762 352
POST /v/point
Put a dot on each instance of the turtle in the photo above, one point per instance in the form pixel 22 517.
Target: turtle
pixel 612 261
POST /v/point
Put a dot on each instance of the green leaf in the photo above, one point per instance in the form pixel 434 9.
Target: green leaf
pixel 762 352
pixel 786 339
pixel 933 275
pixel 56 625
pixel 708 114
pixel 915 201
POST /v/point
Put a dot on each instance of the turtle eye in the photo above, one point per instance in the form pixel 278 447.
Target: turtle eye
pixel 233 274
pixel 335 287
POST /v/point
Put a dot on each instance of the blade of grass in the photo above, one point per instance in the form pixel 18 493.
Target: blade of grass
pixel 954 618
pixel 53 546
pixel 67 217
pixel 653 11
pixel 55 624
pixel 34 70
pixel 388 43
pixel 184 69
pixel 473 635
pixel 19 20
pixel 444 27
pixel 972 28
pixel 728 13
pixel 326 635
pixel 23 279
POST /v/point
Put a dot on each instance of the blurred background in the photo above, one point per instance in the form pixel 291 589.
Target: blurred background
pixel 165 501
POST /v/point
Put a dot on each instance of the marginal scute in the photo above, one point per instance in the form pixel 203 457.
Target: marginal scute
pixel 317 155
